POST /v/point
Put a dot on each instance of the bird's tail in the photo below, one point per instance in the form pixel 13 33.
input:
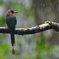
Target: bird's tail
pixel 12 42
pixel 12 38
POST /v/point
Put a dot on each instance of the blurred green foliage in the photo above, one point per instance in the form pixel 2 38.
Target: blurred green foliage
pixel 4 48
pixel 2 21
pixel 42 48
pixel 1 2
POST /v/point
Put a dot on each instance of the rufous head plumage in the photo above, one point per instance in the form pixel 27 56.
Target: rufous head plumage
pixel 11 12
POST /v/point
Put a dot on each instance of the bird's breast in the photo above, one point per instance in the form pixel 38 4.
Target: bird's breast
pixel 11 21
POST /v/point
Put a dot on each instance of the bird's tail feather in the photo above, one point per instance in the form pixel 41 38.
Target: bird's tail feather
pixel 12 38
pixel 12 42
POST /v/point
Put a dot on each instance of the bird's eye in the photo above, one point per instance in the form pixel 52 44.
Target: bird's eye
pixel 12 11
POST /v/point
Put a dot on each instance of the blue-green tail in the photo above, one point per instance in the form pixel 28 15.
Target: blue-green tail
pixel 12 38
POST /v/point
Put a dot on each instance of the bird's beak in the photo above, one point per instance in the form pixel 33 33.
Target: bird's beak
pixel 15 11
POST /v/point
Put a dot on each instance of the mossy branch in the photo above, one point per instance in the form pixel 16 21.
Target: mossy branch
pixel 33 30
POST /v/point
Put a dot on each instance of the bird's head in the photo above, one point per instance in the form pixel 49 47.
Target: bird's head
pixel 11 12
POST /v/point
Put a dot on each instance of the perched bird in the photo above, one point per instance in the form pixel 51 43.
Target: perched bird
pixel 11 23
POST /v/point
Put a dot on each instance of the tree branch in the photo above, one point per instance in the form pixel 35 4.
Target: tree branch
pixel 32 30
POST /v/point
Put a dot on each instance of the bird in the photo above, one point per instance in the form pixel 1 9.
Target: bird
pixel 11 24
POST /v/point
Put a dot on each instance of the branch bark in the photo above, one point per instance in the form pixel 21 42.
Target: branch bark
pixel 32 30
